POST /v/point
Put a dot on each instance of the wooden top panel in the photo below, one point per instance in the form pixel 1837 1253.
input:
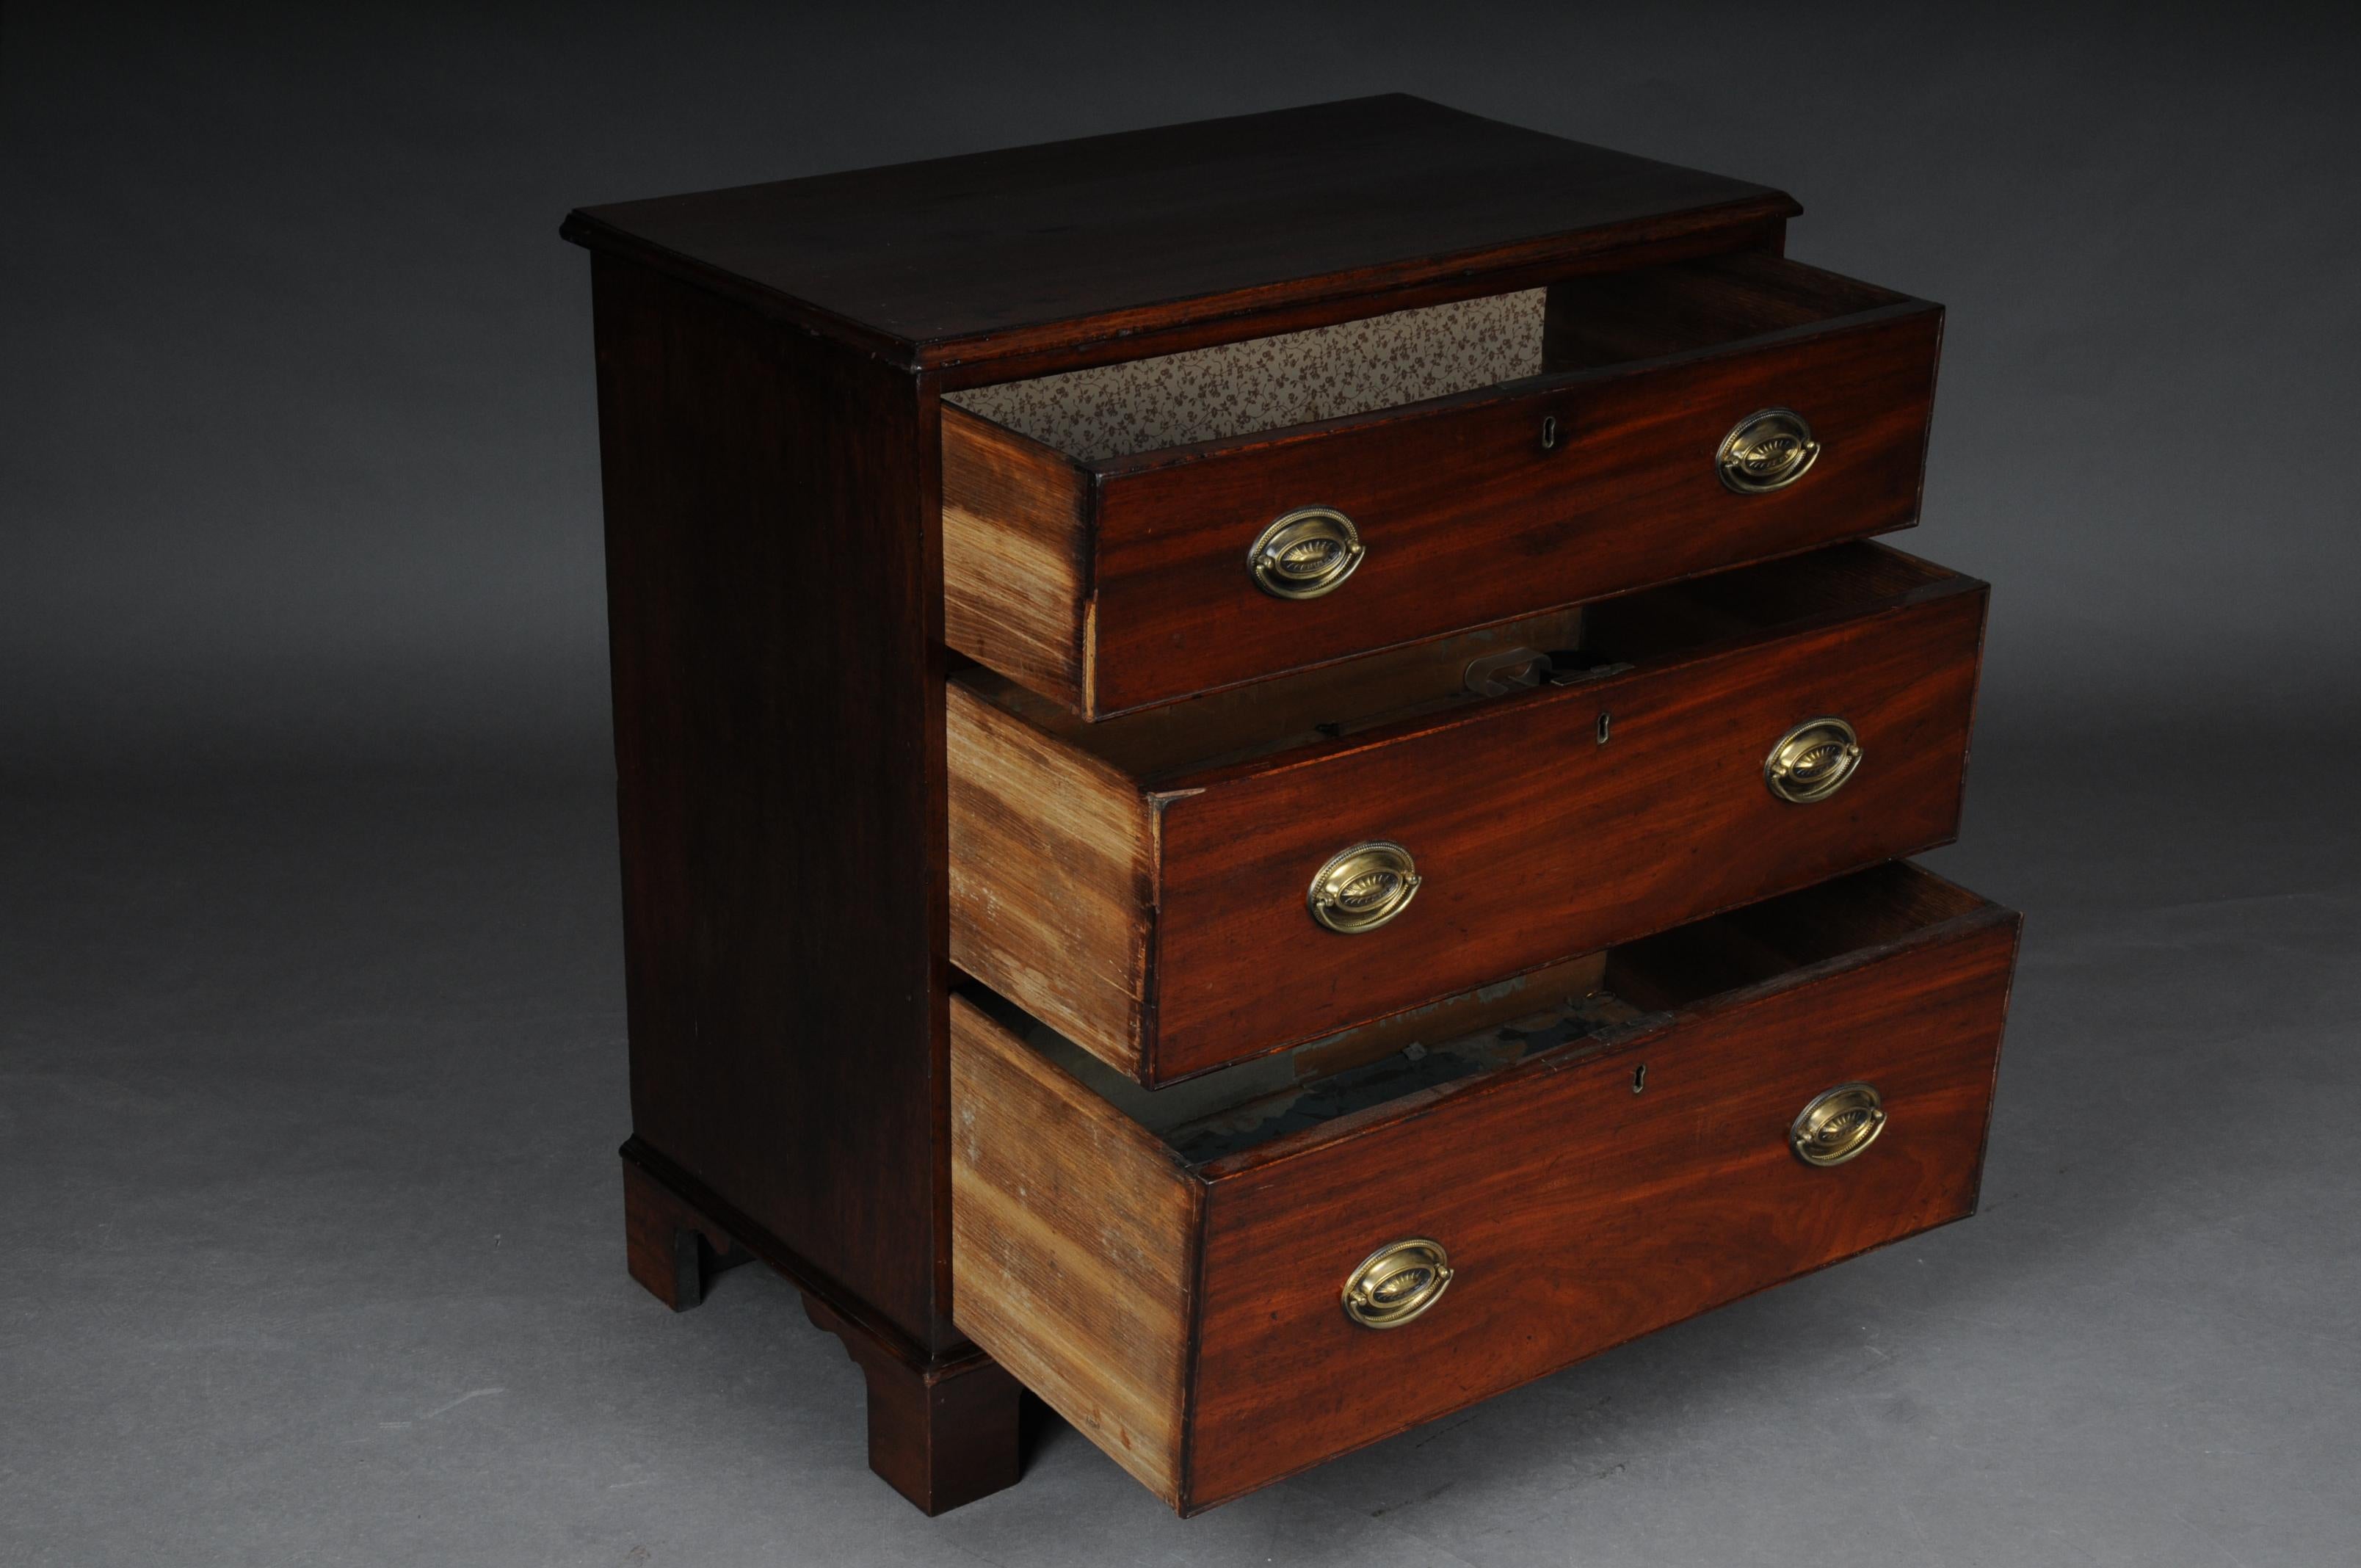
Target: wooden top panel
pixel 1036 250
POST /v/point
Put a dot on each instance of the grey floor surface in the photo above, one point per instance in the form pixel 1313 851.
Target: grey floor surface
pixel 313 1249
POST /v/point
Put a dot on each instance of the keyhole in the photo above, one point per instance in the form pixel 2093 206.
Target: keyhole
pixel 1605 723
pixel 1640 1079
pixel 1549 433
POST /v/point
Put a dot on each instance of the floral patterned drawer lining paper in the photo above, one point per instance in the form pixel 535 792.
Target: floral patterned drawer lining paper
pixel 1264 383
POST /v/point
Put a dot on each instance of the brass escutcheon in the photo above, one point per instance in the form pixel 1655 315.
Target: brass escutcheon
pixel 1397 1283
pixel 1838 1125
pixel 1307 553
pixel 1362 888
pixel 1812 760
pixel 1766 451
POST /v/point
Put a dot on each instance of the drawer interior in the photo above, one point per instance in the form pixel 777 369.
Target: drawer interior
pixel 1357 695
pixel 1406 356
pixel 1569 1009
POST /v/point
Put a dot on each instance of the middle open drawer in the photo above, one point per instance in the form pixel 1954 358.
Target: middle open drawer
pixel 1193 886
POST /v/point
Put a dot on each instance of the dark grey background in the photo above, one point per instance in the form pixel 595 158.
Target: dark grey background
pixel 310 996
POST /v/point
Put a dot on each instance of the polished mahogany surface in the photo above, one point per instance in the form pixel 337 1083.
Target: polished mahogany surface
pixel 1026 250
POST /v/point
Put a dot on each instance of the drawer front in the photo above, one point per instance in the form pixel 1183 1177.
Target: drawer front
pixel 1467 516
pixel 1578 1214
pixel 1534 841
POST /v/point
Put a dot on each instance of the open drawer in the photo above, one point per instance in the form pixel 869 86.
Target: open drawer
pixel 1227 1282
pixel 1187 886
pixel 1135 533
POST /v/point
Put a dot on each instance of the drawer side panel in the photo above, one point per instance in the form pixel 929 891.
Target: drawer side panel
pixel 1016 555
pixel 1073 1233
pixel 1053 877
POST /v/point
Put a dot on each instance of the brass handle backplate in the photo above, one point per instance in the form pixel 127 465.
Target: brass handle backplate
pixel 1766 451
pixel 1838 1125
pixel 1397 1283
pixel 1307 553
pixel 1812 760
pixel 1361 888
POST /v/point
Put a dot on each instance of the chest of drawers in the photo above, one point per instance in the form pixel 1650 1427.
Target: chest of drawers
pixel 1263 769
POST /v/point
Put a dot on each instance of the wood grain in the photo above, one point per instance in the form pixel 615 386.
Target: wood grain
pixel 1467 516
pixel 1053 875
pixel 778 739
pixel 1074 1238
pixel 1537 842
pixel 1016 534
pixel 1016 262
pixel 778 673
pixel 1269 717
pixel 1579 1215
pixel 1578 1212
pixel 813 828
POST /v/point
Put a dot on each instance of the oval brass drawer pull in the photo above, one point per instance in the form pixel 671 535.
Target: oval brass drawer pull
pixel 1362 888
pixel 1838 1125
pixel 1397 1283
pixel 1766 451
pixel 1307 553
pixel 1812 760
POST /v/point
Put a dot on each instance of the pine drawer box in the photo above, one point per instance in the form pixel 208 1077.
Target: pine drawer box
pixel 1262 769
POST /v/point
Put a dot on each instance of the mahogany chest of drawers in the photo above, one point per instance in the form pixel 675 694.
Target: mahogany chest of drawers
pixel 1263 771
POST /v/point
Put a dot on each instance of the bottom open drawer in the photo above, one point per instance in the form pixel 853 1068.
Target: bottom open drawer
pixel 1229 1280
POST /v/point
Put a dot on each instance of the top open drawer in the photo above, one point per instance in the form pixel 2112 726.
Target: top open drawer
pixel 1130 535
